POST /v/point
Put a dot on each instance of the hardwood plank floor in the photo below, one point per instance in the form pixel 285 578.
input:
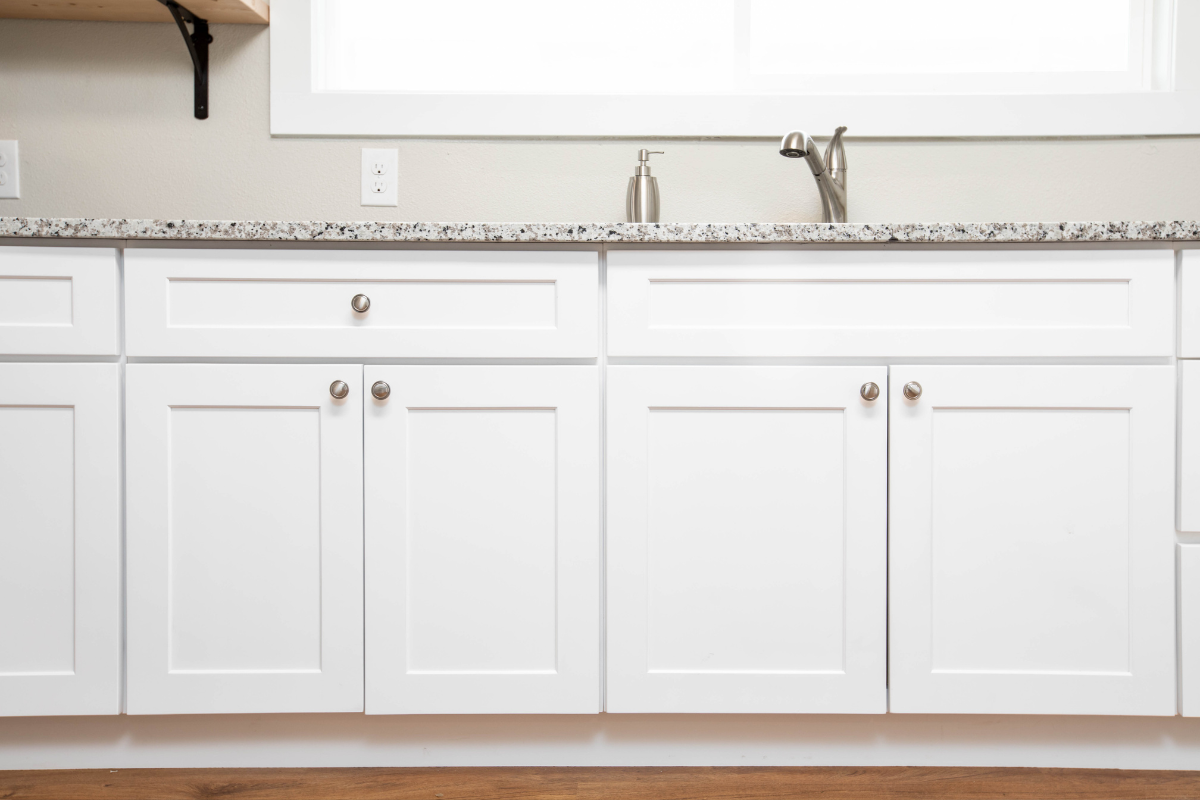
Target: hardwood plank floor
pixel 609 783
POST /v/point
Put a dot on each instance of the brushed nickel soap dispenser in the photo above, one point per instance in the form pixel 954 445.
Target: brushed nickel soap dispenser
pixel 641 200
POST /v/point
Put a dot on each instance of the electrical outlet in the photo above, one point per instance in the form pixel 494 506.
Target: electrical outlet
pixel 10 172
pixel 380 177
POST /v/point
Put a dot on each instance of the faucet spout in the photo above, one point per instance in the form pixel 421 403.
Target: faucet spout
pixel 829 172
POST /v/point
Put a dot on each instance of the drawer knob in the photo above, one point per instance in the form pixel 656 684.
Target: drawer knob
pixel 339 389
pixel 912 390
pixel 360 303
pixel 869 391
pixel 380 390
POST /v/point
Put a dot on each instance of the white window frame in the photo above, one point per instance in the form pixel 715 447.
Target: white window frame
pixel 299 108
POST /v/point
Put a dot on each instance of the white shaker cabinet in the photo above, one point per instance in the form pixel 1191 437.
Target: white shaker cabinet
pixel 747 539
pixel 482 539
pixel 60 539
pixel 1031 540
pixel 59 301
pixel 244 539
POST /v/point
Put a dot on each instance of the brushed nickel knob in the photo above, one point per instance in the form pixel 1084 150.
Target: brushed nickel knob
pixel 339 389
pixel 912 390
pixel 360 303
pixel 869 391
pixel 380 390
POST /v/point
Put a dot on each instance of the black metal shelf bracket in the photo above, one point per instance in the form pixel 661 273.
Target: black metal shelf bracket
pixel 197 44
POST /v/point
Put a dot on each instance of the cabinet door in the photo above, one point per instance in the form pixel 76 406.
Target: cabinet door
pixel 1189 445
pixel 244 539
pixel 483 540
pixel 60 539
pixel 1032 544
pixel 747 541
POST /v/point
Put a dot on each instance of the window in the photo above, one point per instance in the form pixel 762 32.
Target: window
pixel 734 67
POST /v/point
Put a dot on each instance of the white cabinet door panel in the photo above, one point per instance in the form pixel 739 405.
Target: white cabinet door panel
pixel 423 303
pixel 880 304
pixel 746 540
pixel 1031 540
pixel 244 539
pixel 483 540
pixel 58 301
pixel 1189 446
pixel 60 539
pixel 1189 628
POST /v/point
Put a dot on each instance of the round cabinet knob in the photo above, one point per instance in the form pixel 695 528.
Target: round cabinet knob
pixel 339 389
pixel 380 390
pixel 912 390
pixel 360 303
pixel 869 391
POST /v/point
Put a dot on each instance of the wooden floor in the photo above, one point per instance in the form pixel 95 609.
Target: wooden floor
pixel 610 783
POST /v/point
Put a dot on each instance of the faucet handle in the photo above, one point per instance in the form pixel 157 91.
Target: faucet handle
pixel 835 152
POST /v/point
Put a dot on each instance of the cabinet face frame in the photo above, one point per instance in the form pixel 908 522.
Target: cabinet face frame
pixel 859 686
pixel 59 301
pixel 1146 686
pixel 890 304
pixel 560 406
pixel 90 393
pixel 334 681
pixel 424 303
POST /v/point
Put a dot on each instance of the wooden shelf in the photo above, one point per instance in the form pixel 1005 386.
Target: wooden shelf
pixel 254 12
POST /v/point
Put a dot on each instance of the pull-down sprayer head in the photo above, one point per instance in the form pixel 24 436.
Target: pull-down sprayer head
pixel 829 172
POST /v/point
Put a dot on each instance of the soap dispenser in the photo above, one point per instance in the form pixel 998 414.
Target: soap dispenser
pixel 641 200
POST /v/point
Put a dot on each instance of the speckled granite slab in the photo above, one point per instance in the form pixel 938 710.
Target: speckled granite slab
pixel 594 232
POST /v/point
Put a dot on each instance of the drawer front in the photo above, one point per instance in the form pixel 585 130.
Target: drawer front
pixel 890 304
pixel 58 301
pixel 1189 304
pixel 423 304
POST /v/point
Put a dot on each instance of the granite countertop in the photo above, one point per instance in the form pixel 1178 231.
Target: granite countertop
pixel 596 232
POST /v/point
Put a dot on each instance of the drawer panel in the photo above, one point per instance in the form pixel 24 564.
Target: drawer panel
pixel 890 304
pixel 1189 304
pixel 58 301
pixel 423 304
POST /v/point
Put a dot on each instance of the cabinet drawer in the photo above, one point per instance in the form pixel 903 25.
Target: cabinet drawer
pixel 890 304
pixel 1189 304
pixel 423 304
pixel 58 301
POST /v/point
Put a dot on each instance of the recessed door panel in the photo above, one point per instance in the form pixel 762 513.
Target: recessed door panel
pixel 245 539
pixel 483 550
pixel 746 540
pixel 1030 540
pixel 60 624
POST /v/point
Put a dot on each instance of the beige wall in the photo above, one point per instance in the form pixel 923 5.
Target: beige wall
pixel 103 112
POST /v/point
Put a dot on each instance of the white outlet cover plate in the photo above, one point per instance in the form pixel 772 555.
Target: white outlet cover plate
pixel 10 172
pixel 380 178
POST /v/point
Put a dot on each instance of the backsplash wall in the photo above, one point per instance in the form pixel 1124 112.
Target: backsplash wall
pixel 103 113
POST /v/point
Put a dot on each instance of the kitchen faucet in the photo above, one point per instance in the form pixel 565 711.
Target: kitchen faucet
pixel 829 173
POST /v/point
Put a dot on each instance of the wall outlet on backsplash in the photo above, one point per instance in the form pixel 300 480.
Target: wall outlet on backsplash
pixel 10 174
pixel 379 176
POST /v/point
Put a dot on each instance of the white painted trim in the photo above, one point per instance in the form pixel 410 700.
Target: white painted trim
pixel 297 109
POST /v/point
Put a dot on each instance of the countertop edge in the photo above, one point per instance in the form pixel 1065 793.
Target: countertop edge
pixel 599 233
